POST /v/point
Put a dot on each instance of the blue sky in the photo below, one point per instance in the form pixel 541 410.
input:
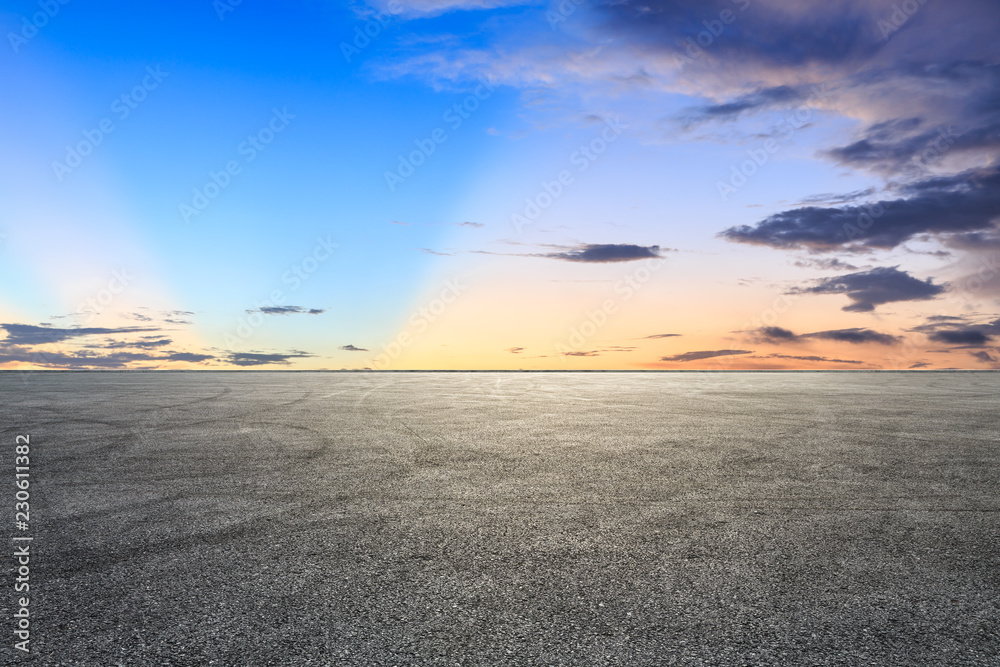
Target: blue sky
pixel 246 193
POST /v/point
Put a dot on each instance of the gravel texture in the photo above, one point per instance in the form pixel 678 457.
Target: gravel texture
pixel 300 518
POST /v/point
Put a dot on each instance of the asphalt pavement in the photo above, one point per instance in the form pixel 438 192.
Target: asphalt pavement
pixel 296 518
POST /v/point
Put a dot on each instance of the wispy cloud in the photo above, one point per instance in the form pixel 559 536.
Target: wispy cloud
pixel 28 334
pixel 264 359
pixel 288 310
pixel 704 354
pixel 778 335
pixel 605 252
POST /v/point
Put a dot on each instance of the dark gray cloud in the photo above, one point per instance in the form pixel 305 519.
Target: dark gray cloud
pixel 589 353
pixel 959 330
pixel 869 289
pixel 188 356
pixel 855 336
pixel 83 359
pixel 704 354
pixel 29 334
pixel 970 337
pixel 911 144
pixel 774 335
pixel 764 98
pixel 262 359
pixel 827 264
pixel 835 198
pixel 747 33
pixel 984 356
pixel 606 252
pixel 815 358
pixel 942 206
pixel 288 310
pixel 147 344
pixel 352 348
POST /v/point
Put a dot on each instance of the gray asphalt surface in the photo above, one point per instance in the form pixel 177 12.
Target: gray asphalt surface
pixel 509 519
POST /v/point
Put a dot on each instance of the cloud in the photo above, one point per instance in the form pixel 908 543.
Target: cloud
pixel 590 353
pixel 752 36
pixel 352 348
pixel 942 206
pixel 960 337
pixel 188 356
pixel 965 331
pixel 262 359
pixel 84 359
pixel 968 125
pixel 919 364
pixel 764 98
pixel 815 358
pixel 665 335
pixel 514 350
pixel 435 252
pixel 774 335
pixel 606 252
pixel 835 198
pixel 476 225
pixel 288 310
pixel 869 289
pixel 984 356
pixel 827 264
pixel 148 344
pixel 411 9
pixel 855 336
pixel 704 354
pixel 28 334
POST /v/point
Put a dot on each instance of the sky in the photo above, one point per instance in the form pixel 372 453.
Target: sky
pixel 500 184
